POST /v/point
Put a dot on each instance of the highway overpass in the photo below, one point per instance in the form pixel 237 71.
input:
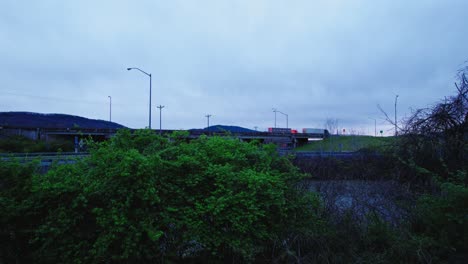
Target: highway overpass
pixel 282 140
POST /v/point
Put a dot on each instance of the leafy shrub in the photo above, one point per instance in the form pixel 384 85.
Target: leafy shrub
pixel 15 221
pixel 441 221
pixel 141 197
pixel 21 144
pixel 15 144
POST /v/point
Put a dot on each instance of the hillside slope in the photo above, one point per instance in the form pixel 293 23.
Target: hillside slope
pixel 37 120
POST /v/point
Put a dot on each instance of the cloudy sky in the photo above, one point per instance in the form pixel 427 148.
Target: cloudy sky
pixel 236 60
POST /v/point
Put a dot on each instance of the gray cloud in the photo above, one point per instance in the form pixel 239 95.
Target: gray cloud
pixel 233 59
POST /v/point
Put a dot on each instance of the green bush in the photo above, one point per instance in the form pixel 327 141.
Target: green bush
pixel 16 144
pixel 15 222
pixel 143 197
pixel 21 144
pixel 441 221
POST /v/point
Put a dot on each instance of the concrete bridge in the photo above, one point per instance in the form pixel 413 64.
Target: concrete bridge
pixel 282 140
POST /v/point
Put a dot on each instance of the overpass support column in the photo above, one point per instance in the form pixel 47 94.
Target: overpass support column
pixel 76 144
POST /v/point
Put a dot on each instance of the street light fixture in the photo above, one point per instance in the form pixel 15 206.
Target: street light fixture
pixel 149 74
pixel 276 110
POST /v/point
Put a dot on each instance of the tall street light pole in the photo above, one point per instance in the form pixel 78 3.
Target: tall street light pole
pixel 110 108
pixel 208 117
pixel 160 122
pixel 396 99
pixel 149 74
pixel 274 110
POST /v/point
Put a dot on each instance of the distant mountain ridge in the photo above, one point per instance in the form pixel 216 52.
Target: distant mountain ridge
pixel 223 128
pixel 38 120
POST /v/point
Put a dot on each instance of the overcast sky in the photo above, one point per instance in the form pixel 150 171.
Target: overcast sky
pixel 233 59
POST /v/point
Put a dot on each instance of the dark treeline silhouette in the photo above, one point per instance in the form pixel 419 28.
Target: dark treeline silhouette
pixel 37 120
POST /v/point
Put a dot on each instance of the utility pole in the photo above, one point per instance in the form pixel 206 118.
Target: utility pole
pixel 208 117
pixel 396 99
pixel 110 108
pixel 160 115
pixel 150 104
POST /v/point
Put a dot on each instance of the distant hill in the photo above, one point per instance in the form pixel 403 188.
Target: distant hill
pixel 232 129
pixel 37 120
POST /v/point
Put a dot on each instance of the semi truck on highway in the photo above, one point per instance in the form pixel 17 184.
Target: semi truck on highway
pixel 315 131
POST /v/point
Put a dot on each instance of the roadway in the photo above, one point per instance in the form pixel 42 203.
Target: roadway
pixel 75 134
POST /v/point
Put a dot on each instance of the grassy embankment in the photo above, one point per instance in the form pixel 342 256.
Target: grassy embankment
pixel 348 143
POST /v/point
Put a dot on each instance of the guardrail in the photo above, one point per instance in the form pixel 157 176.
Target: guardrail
pixel 325 154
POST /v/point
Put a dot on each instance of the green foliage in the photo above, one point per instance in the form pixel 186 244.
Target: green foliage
pixel 144 198
pixel 140 197
pixel 15 225
pixel 21 144
pixel 441 221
